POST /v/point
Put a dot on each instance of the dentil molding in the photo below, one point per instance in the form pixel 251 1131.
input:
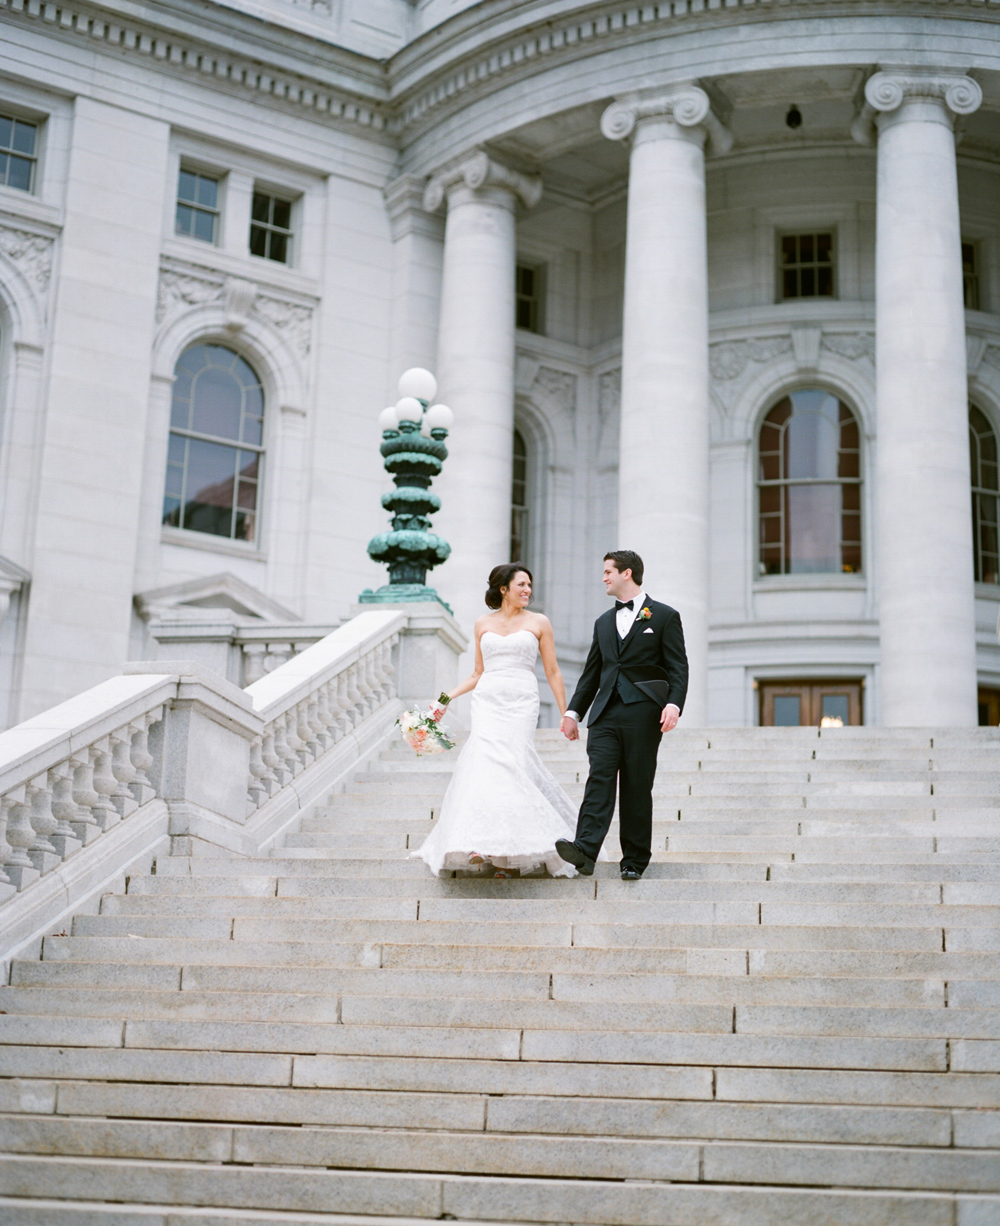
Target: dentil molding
pixel 688 105
pixel 479 169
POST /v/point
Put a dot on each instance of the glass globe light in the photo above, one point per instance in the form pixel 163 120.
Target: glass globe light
pixel 387 419
pixel 418 383
pixel 409 408
pixel 440 417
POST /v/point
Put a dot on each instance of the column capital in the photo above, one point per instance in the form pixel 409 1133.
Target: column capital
pixel 687 105
pixel 886 92
pixel 481 169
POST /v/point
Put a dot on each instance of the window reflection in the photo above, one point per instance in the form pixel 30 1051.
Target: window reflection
pixel 809 486
pixel 214 455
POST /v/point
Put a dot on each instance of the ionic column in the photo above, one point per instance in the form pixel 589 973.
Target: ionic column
pixel 475 369
pixel 924 530
pixel 663 493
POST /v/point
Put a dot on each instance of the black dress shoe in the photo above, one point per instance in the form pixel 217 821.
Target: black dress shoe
pixel 631 874
pixel 573 855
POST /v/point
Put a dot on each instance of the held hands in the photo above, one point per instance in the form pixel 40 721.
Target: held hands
pixel 569 728
pixel 669 717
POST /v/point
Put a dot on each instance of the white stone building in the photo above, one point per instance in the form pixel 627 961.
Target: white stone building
pixel 716 281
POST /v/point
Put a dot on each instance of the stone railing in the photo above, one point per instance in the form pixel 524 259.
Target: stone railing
pixel 242 651
pixel 180 760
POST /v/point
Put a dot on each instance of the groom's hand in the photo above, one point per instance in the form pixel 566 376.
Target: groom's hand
pixel 669 717
pixel 569 728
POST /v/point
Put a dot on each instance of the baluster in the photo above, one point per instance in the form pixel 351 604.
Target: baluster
pixel 297 756
pixel 253 662
pixel 123 771
pixel 7 887
pixel 343 704
pixel 141 786
pixel 105 813
pixel 387 670
pixel 20 835
pixel 63 838
pixel 326 732
pixel 272 761
pixel 354 695
pixel 304 729
pixel 257 791
pixel 365 684
pixel 283 750
pixel 277 654
pixel 85 825
pixel 42 852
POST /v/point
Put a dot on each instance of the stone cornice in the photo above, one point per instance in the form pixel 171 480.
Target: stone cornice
pixel 191 47
pixel 886 91
pixel 687 105
pixel 478 169
pixel 469 55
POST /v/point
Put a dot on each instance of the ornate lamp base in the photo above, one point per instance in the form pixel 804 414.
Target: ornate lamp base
pixel 394 593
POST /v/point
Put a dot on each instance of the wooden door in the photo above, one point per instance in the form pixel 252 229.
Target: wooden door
pixel 824 704
pixel 989 707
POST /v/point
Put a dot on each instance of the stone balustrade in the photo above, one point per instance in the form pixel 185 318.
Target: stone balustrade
pixel 242 651
pixel 171 757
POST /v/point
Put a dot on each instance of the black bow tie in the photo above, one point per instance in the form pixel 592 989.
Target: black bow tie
pixel 622 604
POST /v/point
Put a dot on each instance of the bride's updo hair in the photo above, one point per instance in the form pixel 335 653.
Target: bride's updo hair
pixel 501 577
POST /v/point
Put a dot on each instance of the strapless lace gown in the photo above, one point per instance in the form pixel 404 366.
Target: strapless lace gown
pixel 502 802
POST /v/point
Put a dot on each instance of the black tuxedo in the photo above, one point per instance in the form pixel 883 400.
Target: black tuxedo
pixel 625 684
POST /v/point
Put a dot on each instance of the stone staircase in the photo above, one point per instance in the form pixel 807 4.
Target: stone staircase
pixel 791 1019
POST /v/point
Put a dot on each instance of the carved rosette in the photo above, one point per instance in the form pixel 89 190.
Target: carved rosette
pixel 478 170
pixel 688 106
pixel 31 255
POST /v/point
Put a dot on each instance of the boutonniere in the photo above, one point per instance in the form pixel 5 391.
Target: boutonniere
pixel 645 614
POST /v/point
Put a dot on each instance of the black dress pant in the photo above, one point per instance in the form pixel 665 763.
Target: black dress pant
pixel 622 748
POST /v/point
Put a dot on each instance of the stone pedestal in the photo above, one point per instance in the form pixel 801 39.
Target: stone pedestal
pixel 475 369
pixel 925 571
pixel 663 489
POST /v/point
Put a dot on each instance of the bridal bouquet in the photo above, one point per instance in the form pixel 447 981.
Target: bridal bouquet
pixel 422 732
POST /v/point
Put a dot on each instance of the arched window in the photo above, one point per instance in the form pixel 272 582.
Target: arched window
pixel 215 458
pixel 519 542
pixel 985 497
pixel 809 486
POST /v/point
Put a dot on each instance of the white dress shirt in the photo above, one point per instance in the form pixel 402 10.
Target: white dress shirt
pixel 623 620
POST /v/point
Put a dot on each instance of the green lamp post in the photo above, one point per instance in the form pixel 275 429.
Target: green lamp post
pixel 413 434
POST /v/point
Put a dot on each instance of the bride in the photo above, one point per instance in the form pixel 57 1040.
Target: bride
pixel 503 807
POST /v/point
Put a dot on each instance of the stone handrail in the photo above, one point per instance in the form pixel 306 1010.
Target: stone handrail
pixel 173 758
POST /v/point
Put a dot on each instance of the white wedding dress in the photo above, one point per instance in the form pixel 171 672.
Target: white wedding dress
pixel 502 802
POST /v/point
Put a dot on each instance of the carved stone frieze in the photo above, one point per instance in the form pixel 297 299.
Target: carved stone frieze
pixel 292 319
pixel 609 400
pixel 180 290
pixel 558 386
pixel 238 300
pixel 30 253
pixel 729 359
pixel 853 345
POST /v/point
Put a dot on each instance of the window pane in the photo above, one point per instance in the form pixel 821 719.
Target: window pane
pixel 806 249
pixel 258 241
pixel 813 529
pixel 260 210
pixel 836 706
pixel 6 131
pixel 279 247
pixel 808 282
pixel 824 248
pixel 218 403
pixel 787 710
pixel 204 226
pixel 24 137
pixel 790 286
pixel 813 436
pixel 186 186
pixel 788 253
pixel 824 282
pixel 208 191
pixel 283 214
pixel 184 220
pixel 19 173
pixel 211 481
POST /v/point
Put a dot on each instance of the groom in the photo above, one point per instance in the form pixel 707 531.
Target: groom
pixel 636 677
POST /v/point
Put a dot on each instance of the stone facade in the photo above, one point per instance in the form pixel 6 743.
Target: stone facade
pixel 646 161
